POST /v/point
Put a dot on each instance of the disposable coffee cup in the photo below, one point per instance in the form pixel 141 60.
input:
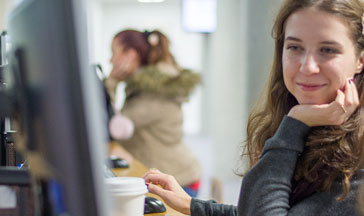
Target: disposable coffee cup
pixel 128 195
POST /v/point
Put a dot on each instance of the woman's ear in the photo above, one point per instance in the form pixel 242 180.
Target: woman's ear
pixel 360 64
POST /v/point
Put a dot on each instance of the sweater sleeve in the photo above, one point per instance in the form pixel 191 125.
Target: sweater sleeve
pixel 266 187
pixel 211 208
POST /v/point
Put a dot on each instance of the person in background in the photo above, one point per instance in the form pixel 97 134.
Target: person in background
pixel 150 124
pixel 305 142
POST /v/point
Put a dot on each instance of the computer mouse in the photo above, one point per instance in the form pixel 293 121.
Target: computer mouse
pixel 153 205
pixel 117 162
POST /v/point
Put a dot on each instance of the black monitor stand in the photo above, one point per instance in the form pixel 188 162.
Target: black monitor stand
pixel 2 98
pixel 8 155
pixel 2 123
pixel 2 143
pixel 10 175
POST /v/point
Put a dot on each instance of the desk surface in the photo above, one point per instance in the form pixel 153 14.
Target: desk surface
pixel 137 169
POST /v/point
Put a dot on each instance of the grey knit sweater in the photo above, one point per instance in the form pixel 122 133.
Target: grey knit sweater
pixel 266 187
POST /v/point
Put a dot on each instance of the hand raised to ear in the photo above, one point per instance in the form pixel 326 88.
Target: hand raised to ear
pixel 126 66
pixel 334 113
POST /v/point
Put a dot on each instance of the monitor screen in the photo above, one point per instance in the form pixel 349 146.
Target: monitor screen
pixel 59 102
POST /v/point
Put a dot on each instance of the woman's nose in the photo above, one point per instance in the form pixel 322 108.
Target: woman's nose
pixel 309 65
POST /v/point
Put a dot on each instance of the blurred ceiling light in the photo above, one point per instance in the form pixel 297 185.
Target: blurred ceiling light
pixel 151 1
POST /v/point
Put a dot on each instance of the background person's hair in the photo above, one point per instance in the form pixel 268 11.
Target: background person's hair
pixel 334 149
pixel 159 50
pixel 132 39
pixel 152 47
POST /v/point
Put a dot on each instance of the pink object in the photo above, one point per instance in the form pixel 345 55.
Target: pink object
pixel 121 127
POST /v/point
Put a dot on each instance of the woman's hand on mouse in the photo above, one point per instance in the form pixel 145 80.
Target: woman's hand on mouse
pixel 334 113
pixel 169 190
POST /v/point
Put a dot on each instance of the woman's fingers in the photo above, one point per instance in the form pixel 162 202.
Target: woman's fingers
pixel 152 170
pixel 352 96
pixel 340 97
pixel 159 179
pixel 348 100
pixel 345 103
pixel 355 93
pixel 153 175
pixel 339 103
pixel 179 201
pixel 168 189
pixel 152 188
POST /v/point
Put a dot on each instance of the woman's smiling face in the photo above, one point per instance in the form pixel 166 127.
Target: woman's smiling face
pixel 318 56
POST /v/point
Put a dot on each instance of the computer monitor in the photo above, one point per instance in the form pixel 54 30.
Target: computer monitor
pixel 59 102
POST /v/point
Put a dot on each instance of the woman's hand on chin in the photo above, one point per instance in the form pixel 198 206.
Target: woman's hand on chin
pixel 334 113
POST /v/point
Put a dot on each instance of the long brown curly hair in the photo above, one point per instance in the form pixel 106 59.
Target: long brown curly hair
pixel 337 148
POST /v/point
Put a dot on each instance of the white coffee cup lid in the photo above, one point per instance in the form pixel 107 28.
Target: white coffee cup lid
pixel 126 185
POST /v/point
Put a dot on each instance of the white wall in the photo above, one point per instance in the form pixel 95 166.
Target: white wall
pixel 5 8
pixel 261 45
pixel 225 89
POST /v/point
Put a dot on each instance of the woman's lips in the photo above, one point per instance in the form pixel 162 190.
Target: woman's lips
pixel 310 87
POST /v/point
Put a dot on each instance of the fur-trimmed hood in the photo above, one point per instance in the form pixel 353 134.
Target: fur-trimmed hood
pixel 163 79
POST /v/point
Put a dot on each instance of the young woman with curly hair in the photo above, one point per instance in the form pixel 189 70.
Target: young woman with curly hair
pixel 305 142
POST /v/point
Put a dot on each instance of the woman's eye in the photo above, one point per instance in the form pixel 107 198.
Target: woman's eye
pixel 293 47
pixel 328 50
